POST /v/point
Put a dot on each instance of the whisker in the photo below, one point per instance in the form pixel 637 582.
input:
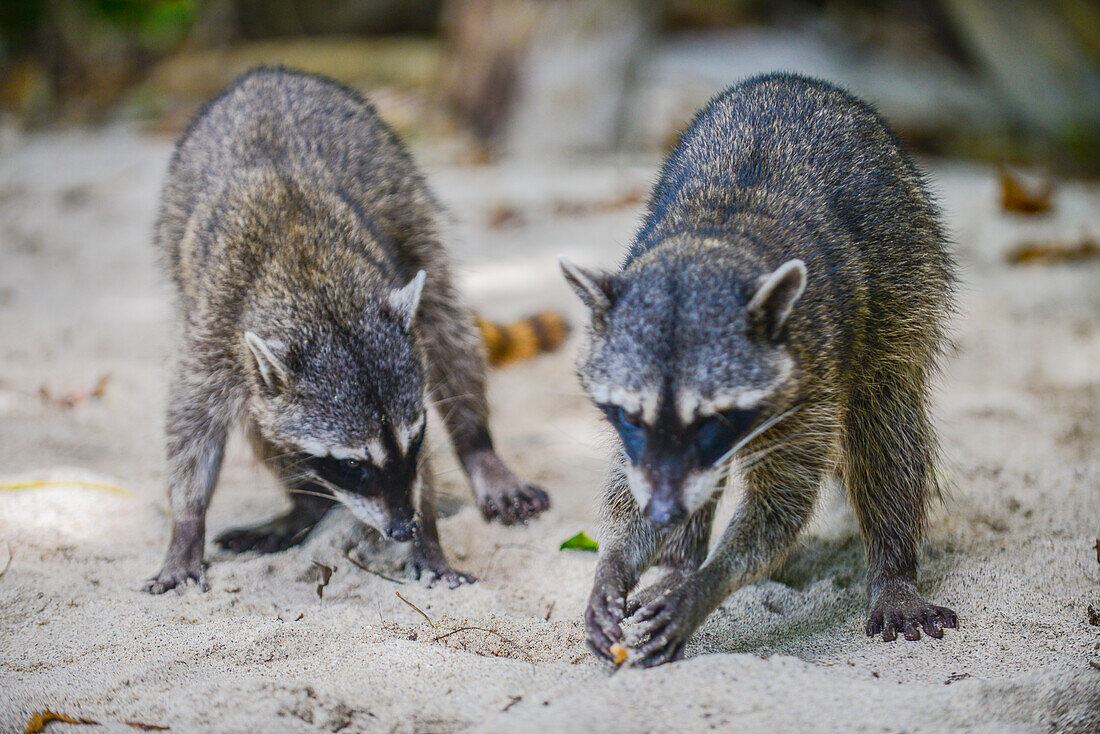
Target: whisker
pixel 757 431
pixel 325 483
pixel 436 402
pixel 294 490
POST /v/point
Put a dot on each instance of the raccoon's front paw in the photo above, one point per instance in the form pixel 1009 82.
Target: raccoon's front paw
pixel 174 576
pixel 670 580
pixel 663 626
pixel 517 503
pixel 434 571
pixel 904 611
pixel 501 495
pixel 603 621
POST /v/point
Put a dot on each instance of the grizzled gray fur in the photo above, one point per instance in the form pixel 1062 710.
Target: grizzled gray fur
pixel 783 307
pixel 317 309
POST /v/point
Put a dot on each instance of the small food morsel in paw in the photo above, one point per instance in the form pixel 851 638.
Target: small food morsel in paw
pixel 618 653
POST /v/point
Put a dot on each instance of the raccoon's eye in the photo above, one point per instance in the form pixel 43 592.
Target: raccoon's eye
pixel 618 416
pixel 717 435
pixel 631 419
pixel 349 464
pixel 630 428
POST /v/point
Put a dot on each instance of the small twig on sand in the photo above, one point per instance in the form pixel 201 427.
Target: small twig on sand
pixel 360 566
pixel 418 609
pixel 326 574
pixel 484 629
pixel 550 610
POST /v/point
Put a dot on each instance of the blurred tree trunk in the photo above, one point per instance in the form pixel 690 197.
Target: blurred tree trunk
pixel 1041 56
pixel 486 41
pixel 543 76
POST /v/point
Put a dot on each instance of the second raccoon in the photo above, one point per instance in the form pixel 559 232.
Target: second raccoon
pixel 784 304
pixel 317 307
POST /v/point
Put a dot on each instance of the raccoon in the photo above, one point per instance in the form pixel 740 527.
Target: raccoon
pixel 317 309
pixel 780 312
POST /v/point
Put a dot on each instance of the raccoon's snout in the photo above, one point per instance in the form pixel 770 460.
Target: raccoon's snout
pixel 665 509
pixel 665 512
pixel 402 530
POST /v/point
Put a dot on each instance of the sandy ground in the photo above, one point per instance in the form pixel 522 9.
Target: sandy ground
pixel 81 297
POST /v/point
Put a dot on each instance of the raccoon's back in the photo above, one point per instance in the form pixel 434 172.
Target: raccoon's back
pixel 809 171
pixel 780 139
pixel 288 124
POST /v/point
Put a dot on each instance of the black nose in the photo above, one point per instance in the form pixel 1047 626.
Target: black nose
pixel 402 530
pixel 664 512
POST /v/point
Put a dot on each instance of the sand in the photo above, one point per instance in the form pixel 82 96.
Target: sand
pixel 81 297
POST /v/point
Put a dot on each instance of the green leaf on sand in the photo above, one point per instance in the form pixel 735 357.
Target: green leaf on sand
pixel 580 541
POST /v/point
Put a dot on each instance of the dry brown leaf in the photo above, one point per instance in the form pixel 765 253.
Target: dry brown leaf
pixel 146 727
pixel 503 215
pixel 622 200
pixel 1053 253
pixel 72 399
pixel 1021 199
pixel 39 719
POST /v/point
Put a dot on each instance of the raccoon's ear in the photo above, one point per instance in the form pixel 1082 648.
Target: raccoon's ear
pixel 404 301
pixel 274 373
pixel 776 296
pixel 598 290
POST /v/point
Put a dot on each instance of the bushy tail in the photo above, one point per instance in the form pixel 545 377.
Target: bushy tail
pixel 523 339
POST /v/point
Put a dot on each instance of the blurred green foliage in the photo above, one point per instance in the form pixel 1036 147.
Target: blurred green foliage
pixel 151 25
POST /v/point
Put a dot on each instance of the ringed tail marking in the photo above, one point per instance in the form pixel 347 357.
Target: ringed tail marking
pixel 525 339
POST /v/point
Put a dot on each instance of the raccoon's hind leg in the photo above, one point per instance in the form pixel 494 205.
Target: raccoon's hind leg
pixel 682 555
pixel 888 469
pixel 427 558
pixel 286 530
pixel 309 503
pixel 456 378
pixel 197 424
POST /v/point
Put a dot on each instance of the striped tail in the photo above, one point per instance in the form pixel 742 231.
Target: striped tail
pixel 524 339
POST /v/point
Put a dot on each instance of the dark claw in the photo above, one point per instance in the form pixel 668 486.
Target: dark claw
pixel 602 653
pixel 909 616
pixel 515 505
pixel 488 508
pixel 665 655
pixel 602 626
pixel 606 625
pixel 167 580
pixel 874 624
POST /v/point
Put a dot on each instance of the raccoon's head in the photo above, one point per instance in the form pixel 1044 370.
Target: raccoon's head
pixel 688 360
pixel 346 404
